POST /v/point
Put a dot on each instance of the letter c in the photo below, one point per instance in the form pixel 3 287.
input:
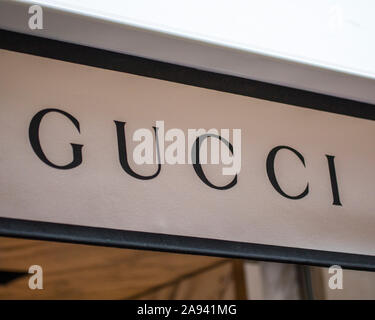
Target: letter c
pixel 198 167
pixel 271 172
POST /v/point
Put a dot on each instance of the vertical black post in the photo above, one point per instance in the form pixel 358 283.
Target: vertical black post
pixel 305 282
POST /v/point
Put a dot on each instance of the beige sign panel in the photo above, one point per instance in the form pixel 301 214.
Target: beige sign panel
pixel 323 197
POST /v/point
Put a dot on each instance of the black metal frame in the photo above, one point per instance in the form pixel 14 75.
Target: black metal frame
pixel 142 240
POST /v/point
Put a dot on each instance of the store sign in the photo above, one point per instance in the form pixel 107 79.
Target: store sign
pixel 92 147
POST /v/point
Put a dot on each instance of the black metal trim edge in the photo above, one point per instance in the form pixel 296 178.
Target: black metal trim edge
pixel 100 58
pixel 181 244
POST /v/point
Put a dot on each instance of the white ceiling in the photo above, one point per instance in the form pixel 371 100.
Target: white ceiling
pixel 337 35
